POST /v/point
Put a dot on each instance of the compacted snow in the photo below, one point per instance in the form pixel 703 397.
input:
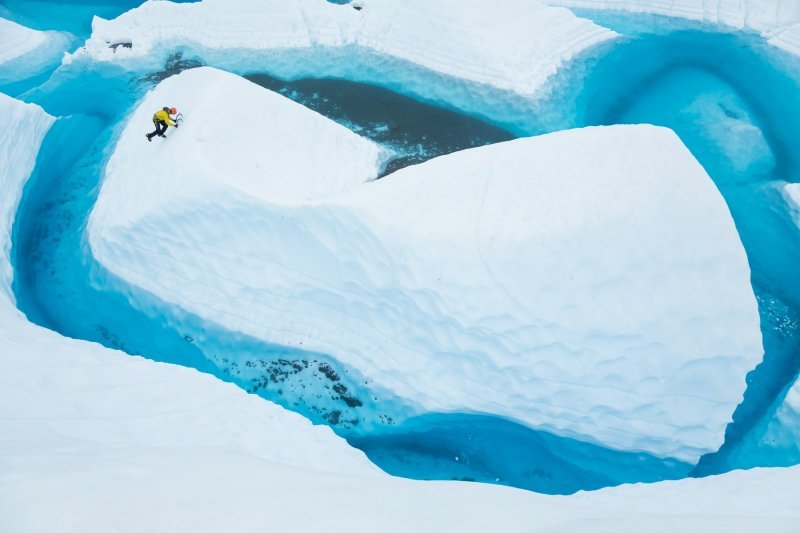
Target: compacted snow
pixel 26 52
pixel 589 282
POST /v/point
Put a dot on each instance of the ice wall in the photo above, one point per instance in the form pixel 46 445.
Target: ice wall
pixel 589 282
pixel 514 45
pixel 20 138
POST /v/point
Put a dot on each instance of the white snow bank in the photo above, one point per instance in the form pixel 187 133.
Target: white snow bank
pixel 93 440
pixel 758 15
pixel 26 52
pixel 200 490
pixel 513 45
pixel 589 282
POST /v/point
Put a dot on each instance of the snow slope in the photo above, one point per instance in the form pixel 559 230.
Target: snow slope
pixel 513 45
pixel 92 440
pixel 589 282
pixel 26 52
pixel 225 114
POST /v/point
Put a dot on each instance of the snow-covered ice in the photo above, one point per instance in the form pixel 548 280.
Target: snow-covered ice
pixel 513 45
pixel 26 52
pixel 95 440
pixel 588 282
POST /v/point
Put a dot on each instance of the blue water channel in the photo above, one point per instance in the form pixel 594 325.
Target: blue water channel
pixel 647 78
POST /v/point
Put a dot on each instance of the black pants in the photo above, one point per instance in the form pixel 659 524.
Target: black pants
pixel 161 127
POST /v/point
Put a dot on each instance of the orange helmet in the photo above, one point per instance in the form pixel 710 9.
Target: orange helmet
pixel 172 110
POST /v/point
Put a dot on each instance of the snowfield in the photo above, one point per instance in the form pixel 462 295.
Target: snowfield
pixel 26 52
pixel 93 440
pixel 589 282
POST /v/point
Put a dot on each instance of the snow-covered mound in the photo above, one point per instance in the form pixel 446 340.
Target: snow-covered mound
pixel 514 45
pixel 26 52
pixel 589 282
pixel 227 116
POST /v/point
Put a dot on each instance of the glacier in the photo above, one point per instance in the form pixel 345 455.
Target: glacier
pixel 95 439
pixel 741 140
pixel 458 272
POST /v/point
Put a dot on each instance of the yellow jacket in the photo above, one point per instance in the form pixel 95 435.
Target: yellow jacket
pixel 163 115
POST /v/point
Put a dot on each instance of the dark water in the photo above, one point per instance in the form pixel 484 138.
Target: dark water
pixel 415 131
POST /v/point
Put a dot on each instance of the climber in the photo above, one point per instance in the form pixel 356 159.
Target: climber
pixel 162 119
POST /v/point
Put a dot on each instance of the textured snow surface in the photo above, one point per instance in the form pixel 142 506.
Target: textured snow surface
pixel 514 45
pixel 26 52
pixel 589 282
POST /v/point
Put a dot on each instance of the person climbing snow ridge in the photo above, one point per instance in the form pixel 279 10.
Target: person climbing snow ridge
pixel 162 119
